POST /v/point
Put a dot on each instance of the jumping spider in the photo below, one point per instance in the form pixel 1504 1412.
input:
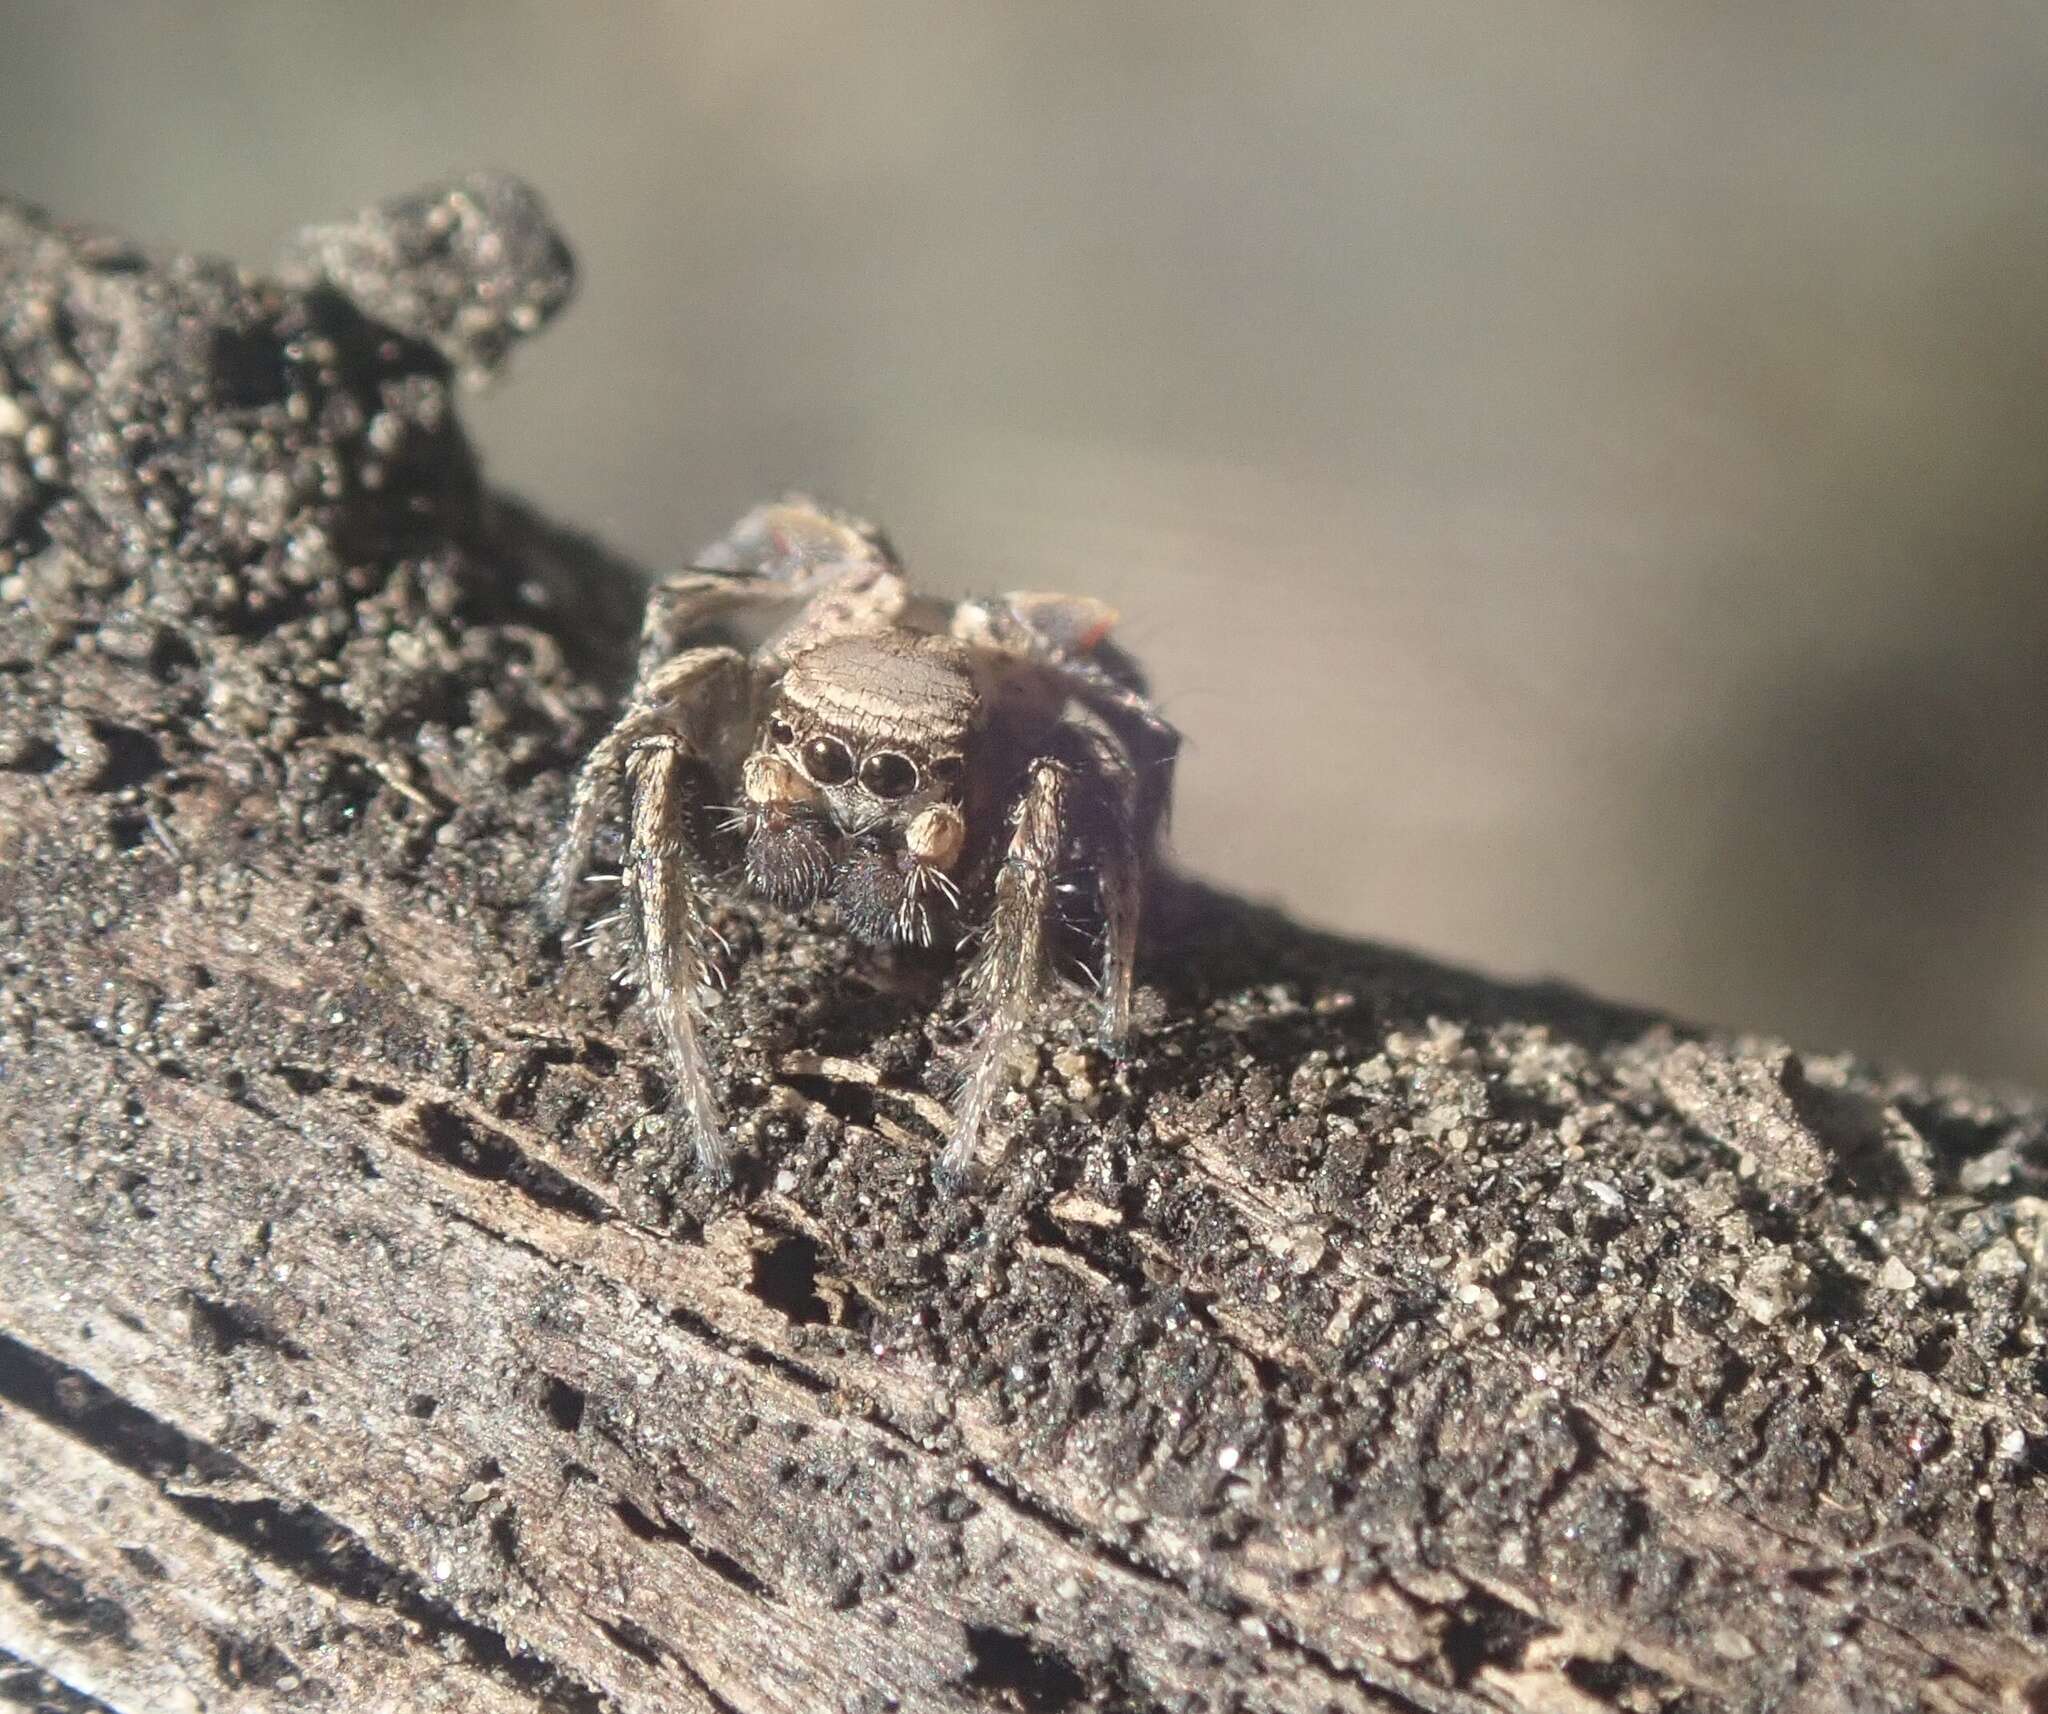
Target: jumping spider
pixel 916 761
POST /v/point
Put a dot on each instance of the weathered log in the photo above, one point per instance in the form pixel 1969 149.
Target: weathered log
pixel 1376 1337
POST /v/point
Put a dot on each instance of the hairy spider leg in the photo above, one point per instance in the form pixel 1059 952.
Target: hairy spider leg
pixel 1151 742
pixel 1106 812
pixel 679 697
pixel 680 605
pixel 667 903
pixel 1065 637
pixel 1009 976
pixel 657 744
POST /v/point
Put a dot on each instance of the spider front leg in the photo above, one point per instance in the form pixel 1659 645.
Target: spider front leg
pixel 666 900
pixel 1107 814
pixel 1067 636
pixel 683 694
pixel 667 730
pixel 1010 976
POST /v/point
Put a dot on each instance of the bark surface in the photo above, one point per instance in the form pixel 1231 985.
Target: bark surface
pixel 1376 1337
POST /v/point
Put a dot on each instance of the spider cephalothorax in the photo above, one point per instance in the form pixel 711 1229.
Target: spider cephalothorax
pixel 856 786
pixel 916 762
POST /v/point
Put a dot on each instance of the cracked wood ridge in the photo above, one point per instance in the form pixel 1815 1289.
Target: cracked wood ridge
pixel 1378 1337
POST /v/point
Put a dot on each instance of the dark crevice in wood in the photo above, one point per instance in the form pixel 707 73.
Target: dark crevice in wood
pixel 684 1320
pixel 1484 1630
pixel 718 1703
pixel 32 756
pixel 785 1278
pixel 1011 1671
pixel 563 1403
pixel 130 757
pixel 1393 1685
pixel 297 1538
pixel 457 1140
pixel 636 1640
pixel 1620 1680
pixel 62 1598
pixel 225 1327
pixel 724 1565
pixel 443 1132
pixel 27 1686
pixel 748 1351
pixel 252 1661
pixel 1399 1689
pixel 850 1103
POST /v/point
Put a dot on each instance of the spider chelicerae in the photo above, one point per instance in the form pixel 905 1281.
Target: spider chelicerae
pixel 927 766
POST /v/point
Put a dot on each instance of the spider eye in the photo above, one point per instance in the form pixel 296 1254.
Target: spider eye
pixel 887 774
pixel 828 761
pixel 948 769
pixel 781 731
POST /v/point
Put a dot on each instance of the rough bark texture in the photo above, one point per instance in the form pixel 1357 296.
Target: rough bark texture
pixel 1378 1337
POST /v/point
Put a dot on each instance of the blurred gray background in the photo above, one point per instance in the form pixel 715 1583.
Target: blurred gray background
pixel 1578 472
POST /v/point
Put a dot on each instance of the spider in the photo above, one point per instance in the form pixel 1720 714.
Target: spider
pixel 921 764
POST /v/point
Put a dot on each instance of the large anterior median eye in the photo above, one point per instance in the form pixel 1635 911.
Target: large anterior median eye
pixel 887 774
pixel 828 761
